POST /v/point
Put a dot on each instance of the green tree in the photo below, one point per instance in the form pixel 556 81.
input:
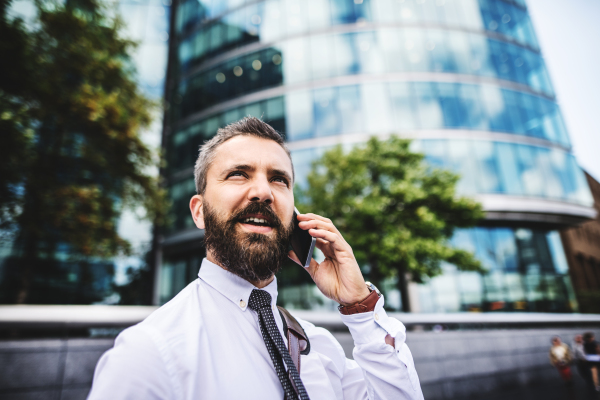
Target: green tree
pixel 397 213
pixel 73 114
pixel 16 134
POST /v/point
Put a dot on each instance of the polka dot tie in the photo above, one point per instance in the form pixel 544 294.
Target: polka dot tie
pixel 260 301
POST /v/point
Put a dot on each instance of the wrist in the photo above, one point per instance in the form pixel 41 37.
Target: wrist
pixel 365 292
pixel 365 305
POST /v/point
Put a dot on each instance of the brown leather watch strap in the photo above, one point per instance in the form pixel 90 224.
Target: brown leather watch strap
pixel 366 305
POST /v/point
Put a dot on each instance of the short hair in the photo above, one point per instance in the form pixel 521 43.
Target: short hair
pixel 247 126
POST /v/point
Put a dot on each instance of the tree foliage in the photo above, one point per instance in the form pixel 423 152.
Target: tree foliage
pixel 71 155
pixel 397 213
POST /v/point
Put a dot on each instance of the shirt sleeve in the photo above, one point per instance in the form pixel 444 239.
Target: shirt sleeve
pixel 132 369
pixel 389 373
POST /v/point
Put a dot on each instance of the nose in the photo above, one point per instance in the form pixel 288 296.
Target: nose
pixel 260 190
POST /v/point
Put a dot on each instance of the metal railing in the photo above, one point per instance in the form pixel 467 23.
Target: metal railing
pixel 103 316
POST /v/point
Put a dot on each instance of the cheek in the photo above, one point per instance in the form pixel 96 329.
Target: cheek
pixel 285 207
pixel 227 198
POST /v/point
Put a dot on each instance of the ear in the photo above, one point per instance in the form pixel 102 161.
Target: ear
pixel 197 211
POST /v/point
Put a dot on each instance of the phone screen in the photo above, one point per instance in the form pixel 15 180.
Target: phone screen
pixel 302 243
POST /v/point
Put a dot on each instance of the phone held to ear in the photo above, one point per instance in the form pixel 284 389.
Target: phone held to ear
pixel 302 243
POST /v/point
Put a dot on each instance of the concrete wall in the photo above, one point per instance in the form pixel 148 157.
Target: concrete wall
pixel 489 364
pixel 484 364
pixel 52 369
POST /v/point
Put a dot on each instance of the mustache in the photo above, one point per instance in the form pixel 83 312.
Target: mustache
pixel 257 208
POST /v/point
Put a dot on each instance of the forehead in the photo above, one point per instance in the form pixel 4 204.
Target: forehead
pixel 253 151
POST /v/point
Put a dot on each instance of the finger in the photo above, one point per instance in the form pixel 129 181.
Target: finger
pixel 309 216
pixel 330 237
pixel 322 245
pixel 322 241
pixel 337 243
pixel 318 224
pixel 315 217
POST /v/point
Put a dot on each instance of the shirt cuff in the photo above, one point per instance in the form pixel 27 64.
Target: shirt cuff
pixel 374 325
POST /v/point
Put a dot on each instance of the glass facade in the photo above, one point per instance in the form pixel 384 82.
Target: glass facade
pixel 374 108
pixel 208 28
pixel 464 78
pixel 147 22
pixel 60 279
pixel 395 51
pixel 527 271
pixel 488 167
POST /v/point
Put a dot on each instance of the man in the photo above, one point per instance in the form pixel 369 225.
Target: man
pixel 592 354
pixel 581 361
pixel 560 358
pixel 221 337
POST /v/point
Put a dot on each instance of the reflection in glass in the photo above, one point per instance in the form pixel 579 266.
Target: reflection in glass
pixel 484 167
pixel 410 105
pixel 493 168
pixel 322 56
pixel 526 272
pixel 515 169
pixel 276 19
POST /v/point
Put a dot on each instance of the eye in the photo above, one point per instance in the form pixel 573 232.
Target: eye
pixel 236 173
pixel 280 179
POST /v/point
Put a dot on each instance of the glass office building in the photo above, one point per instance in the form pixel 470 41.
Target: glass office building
pixel 464 78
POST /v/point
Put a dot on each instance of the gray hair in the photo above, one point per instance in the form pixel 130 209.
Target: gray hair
pixel 247 126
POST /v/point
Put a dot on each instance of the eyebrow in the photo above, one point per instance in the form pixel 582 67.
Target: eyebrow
pixel 242 167
pixel 250 168
pixel 282 173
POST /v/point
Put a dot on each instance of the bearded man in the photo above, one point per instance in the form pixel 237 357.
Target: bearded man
pixel 222 337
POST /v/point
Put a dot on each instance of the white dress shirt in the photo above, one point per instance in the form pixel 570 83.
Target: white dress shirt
pixel 206 344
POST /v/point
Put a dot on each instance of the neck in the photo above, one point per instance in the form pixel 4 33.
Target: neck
pixel 257 284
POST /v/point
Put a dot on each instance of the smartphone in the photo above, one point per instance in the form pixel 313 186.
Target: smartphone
pixel 302 243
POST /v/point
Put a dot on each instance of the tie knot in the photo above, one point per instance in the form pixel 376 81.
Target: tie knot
pixel 259 299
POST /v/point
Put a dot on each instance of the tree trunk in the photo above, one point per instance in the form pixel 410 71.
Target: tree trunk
pixel 35 234
pixel 26 264
pixel 403 288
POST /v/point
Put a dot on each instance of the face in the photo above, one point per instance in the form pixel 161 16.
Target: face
pixel 578 339
pixel 556 341
pixel 247 207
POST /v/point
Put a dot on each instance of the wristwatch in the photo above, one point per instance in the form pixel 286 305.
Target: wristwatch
pixel 372 288
pixel 368 304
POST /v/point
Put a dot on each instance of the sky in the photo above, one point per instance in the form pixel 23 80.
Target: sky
pixel 569 35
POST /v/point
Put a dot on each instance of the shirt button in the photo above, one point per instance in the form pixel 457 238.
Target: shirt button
pixel 376 317
pixel 242 303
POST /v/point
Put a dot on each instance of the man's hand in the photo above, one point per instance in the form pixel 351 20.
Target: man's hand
pixel 338 277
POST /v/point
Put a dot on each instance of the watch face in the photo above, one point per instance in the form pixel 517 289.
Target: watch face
pixel 373 288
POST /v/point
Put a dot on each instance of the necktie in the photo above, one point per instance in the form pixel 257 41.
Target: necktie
pixel 260 301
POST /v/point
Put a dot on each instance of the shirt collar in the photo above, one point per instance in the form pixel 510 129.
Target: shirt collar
pixel 232 286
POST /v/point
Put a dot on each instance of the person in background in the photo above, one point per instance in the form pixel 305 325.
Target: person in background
pixel 592 353
pixel 560 358
pixel 581 362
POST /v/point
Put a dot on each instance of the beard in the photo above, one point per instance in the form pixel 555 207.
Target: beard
pixel 249 255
